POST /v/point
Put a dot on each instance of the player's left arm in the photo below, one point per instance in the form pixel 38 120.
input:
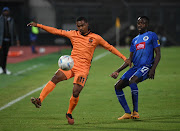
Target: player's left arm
pixel 156 61
pixel 156 45
pixel 51 30
pixel 112 49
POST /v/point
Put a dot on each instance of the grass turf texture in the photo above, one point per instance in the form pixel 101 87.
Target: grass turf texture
pixel 98 107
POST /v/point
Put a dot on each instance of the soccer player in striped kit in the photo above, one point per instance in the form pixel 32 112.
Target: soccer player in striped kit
pixel 142 51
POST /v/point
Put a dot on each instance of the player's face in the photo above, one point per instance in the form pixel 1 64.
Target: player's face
pixel 82 27
pixel 142 25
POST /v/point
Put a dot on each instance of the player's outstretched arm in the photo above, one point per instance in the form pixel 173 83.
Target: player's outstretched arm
pixel 116 73
pixel 156 61
pixel 51 30
pixel 123 66
pixel 112 49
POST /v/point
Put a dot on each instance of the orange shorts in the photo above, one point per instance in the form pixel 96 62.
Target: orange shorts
pixel 79 77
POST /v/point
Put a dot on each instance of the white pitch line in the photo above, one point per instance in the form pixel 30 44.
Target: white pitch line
pixel 33 91
pixel 20 98
pixel 100 56
pixel 27 69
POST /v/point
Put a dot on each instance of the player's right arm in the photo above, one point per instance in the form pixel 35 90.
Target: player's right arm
pixel 122 67
pixel 51 30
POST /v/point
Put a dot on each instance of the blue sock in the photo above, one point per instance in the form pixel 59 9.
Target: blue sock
pixel 122 100
pixel 134 91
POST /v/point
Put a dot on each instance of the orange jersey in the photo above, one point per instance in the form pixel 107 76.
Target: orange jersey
pixel 83 46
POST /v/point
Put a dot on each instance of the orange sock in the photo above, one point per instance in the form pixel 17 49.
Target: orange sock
pixel 46 90
pixel 72 104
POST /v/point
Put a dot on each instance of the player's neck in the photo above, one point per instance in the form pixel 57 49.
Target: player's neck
pixel 143 32
pixel 86 33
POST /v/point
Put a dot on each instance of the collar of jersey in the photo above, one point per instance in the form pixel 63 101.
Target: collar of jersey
pixel 86 33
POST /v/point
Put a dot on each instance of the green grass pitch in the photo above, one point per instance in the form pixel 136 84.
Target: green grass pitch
pixel 98 107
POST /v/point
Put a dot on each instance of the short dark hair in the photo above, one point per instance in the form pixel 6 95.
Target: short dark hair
pixel 144 17
pixel 82 18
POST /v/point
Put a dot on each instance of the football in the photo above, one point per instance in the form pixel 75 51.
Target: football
pixel 65 62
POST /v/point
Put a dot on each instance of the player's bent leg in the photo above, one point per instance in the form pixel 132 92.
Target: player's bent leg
pixel 134 79
pixel 121 97
pixel 76 90
pixel 59 76
pixel 134 92
pixel 120 84
pixel 46 90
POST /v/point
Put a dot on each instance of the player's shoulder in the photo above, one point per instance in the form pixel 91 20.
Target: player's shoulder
pixel 152 33
pixel 135 38
pixel 72 31
pixel 95 35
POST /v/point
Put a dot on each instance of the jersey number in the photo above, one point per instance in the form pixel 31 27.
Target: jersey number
pixel 144 69
pixel 81 79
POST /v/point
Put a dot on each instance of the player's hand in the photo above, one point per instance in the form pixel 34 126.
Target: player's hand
pixel 128 62
pixel 32 24
pixel 114 75
pixel 151 74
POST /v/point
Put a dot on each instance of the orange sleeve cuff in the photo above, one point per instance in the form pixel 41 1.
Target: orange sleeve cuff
pixel 39 25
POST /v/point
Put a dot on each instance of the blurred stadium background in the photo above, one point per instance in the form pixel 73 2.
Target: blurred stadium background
pixel 102 14
pixel 98 107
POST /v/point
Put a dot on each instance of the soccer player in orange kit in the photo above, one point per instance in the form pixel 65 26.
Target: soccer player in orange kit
pixel 84 43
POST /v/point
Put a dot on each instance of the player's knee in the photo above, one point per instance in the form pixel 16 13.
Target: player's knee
pixel 76 90
pixel 118 86
pixel 121 84
pixel 133 80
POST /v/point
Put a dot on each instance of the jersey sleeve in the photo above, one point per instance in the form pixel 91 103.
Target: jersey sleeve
pixel 55 31
pixel 132 47
pixel 110 48
pixel 155 40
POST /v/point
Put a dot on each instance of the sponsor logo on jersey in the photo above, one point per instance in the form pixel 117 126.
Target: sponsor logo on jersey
pixel 140 45
pixel 145 38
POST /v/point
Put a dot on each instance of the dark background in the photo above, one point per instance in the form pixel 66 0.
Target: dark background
pixel 101 14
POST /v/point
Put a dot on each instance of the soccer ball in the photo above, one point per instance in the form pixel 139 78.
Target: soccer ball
pixel 65 62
